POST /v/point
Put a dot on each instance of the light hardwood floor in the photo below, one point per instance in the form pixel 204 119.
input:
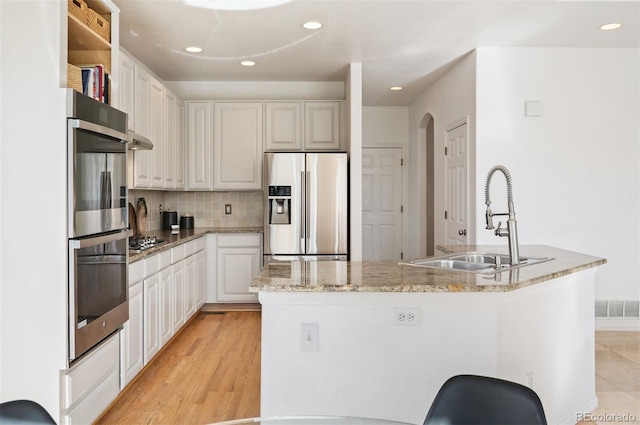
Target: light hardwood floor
pixel 211 372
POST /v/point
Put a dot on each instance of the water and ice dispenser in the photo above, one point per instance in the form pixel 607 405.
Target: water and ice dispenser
pixel 279 204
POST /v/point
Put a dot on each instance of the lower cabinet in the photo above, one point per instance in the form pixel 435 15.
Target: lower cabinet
pixel 238 262
pixel 91 385
pixel 131 335
pixel 165 290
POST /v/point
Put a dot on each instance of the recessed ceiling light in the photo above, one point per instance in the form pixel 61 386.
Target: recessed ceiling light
pixel 610 27
pixel 193 49
pixel 247 63
pixel 312 25
pixel 395 88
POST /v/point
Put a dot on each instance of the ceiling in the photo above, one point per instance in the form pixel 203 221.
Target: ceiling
pixel 405 43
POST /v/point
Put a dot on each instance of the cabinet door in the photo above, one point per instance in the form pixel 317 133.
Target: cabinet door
pixel 177 275
pixel 322 125
pixel 190 287
pixel 157 133
pixel 201 278
pixel 126 95
pixel 283 126
pixel 142 158
pixel 166 306
pixel 131 337
pixel 200 145
pixel 236 268
pixel 180 146
pixel 237 146
pixel 169 140
pixel 151 290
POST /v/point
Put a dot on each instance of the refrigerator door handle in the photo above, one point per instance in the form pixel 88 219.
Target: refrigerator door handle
pixel 307 208
pixel 302 211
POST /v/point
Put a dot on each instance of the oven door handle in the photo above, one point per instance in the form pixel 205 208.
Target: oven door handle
pixel 84 243
pixel 99 129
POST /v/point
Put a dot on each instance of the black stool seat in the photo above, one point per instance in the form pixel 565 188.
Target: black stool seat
pixel 24 412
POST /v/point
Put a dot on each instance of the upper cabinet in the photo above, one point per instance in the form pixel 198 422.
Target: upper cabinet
pixel 237 146
pixel 283 126
pixel 310 126
pixel 126 93
pixel 142 112
pixel 199 145
pixel 157 133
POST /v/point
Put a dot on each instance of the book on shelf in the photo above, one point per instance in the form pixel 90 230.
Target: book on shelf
pixel 95 82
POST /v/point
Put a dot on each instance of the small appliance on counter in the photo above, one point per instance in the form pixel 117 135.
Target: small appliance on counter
pixel 169 219
pixel 187 221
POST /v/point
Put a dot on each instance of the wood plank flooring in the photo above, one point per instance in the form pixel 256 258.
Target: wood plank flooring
pixel 210 372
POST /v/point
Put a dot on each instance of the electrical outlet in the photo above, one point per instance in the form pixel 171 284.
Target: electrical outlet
pixel 406 316
pixel 528 379
pixel 227 209
pixel 308 337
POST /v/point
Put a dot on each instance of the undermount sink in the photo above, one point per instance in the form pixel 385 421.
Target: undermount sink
pixel 474 262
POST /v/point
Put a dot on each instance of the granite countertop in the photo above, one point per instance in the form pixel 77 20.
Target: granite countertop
pixel 389 276
pixel 185 235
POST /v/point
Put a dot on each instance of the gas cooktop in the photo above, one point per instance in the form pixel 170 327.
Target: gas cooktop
pixel 139 244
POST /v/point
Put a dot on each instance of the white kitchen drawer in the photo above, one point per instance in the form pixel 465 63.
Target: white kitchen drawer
pixel 88 410
pixel 200 244
pixel 189 248
pixel 151 265
pixel 86 376
pixel 177 253
pixel 239 240
pixel 164 259
pixel 136 272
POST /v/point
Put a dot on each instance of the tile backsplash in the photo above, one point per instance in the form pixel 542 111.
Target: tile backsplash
pixel 208 208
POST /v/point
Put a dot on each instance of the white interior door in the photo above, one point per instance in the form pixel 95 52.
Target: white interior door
pixel 457 213
pixel 381 204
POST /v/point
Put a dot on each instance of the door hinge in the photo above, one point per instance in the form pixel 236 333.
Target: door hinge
pixel 401 208
pixel 445 151
pixel 446 215
pixel 402 255
pixel 401 162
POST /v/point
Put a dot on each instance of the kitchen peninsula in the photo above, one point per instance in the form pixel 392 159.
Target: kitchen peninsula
pixel 378 339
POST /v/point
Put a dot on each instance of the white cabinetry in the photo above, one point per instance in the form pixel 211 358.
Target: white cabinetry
pixel 142 96
pixel 199 145
pixel 322 126
pixel 180 147
pixel 126 94
pixel 311 125
pixel 169 140
pixel 238 262
pixel 91 384
pixel 165 291
pixel 157 134
pixel 132 334
pixel 237 146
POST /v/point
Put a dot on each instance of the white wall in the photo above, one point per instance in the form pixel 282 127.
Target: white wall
pixel 449 99
pixel 385 126
pixel 33 227
pixel 576 170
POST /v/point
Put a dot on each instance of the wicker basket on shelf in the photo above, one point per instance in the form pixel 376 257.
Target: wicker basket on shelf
pixel 100 25
pixel 80 10
pixel 74 77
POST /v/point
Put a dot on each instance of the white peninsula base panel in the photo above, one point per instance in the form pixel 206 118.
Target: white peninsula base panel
pixel 368 365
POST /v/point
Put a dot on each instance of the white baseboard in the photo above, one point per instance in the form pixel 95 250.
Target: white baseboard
pixel 617 324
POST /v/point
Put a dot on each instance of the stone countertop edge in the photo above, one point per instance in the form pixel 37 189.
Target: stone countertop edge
pixel 389 276
pixel 184 236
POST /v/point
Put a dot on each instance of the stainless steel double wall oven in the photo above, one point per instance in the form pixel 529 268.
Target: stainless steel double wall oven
pixel 97 221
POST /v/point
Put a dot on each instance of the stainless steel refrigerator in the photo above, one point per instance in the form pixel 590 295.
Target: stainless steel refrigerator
pixel 305 206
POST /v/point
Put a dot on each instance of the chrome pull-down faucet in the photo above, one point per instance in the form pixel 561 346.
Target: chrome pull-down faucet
pixel 512 229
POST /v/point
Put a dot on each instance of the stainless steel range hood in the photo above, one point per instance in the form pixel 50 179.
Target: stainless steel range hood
pixel 139 142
